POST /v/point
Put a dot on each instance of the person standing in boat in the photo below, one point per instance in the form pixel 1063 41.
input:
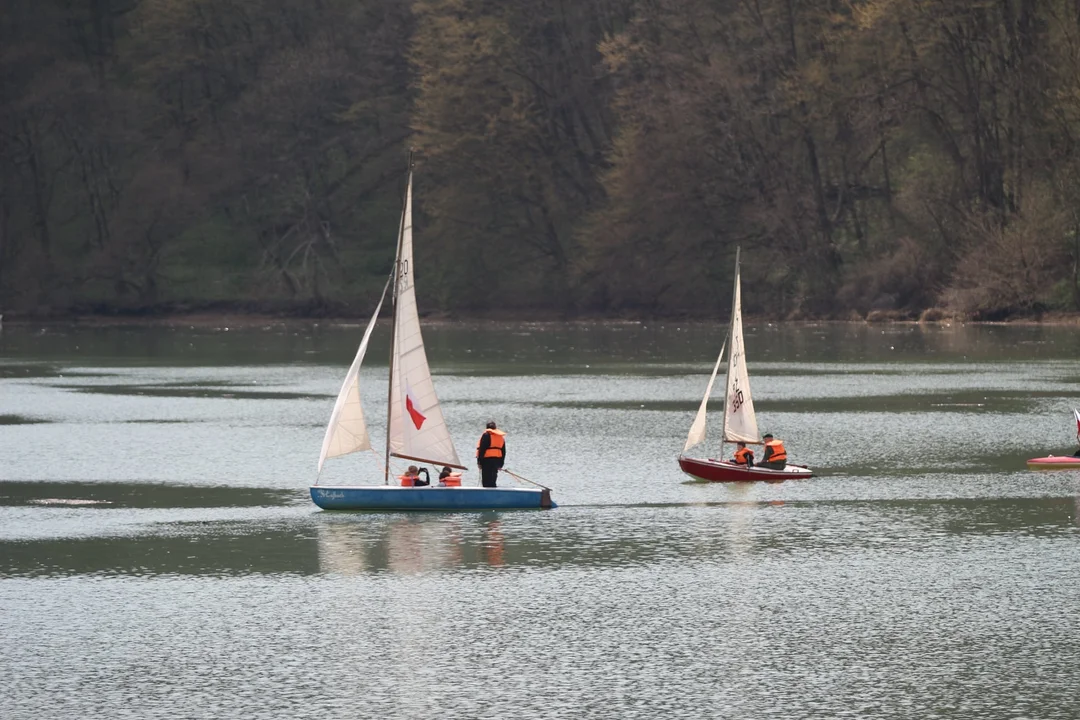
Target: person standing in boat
pixel 490 454
pixel 775 456
pixel 744 455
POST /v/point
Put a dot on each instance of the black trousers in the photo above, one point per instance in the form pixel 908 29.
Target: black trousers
pixel 773 464
pixel 489 471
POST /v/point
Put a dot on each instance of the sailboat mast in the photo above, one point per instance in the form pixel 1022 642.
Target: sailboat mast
pixel 731 353
pixel 393 320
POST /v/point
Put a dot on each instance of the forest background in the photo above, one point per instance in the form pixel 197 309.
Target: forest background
pixel 574 157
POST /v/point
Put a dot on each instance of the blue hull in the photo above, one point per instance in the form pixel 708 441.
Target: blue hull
pixel 391 497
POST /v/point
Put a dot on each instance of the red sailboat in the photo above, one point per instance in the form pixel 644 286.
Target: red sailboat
pixel 740 422
pixel 1059 462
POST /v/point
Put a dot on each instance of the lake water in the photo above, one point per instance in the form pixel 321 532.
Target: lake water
pixel 160 557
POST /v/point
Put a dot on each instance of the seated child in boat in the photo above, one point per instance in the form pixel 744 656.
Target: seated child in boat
pixel 449 478
pixel 744 455
pixel 411 478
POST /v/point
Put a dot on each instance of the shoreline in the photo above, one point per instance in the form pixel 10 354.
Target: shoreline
pixel 254 318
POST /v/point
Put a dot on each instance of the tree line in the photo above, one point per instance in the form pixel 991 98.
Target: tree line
pixel 599 157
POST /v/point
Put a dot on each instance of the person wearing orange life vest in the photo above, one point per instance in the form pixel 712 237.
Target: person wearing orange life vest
pixel 744 456
pixel 411 478
pixel 775 457
pixel 449 478
pixel 490 454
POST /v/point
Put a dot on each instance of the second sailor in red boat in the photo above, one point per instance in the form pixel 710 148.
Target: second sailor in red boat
pixel 775 457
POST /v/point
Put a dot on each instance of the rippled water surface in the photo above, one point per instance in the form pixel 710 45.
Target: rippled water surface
pixel 160 558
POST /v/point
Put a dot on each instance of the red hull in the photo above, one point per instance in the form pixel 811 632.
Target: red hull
pixel 724 471
pixel 1054 462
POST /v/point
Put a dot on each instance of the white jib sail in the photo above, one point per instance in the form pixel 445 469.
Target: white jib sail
pixel 347 431
pixel 697 428
pixel 416 428
pixel 740 423
pixel 1077 414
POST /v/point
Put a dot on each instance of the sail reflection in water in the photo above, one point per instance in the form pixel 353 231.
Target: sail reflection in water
pixel 409 544
pixel 739 529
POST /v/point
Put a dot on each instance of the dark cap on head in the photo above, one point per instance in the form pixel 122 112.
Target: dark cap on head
pixel 767 435
pixel 491 424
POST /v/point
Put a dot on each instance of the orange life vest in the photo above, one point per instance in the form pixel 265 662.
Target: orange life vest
pixel 497 449
pixel 778 451
pixel 452 480
pixel 743 456
pixel 406 480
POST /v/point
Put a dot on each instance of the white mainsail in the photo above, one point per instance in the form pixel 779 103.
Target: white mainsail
pixel 740 423
pixel 697 428
pixel 347 431
pixel 416 428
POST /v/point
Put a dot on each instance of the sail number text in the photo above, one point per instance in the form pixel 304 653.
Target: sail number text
pixel 736 396
pixel 736 361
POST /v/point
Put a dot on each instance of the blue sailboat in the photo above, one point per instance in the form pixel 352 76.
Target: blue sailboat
pixel 416 430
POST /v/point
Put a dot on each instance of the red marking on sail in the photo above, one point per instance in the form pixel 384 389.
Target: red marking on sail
pixel 417 416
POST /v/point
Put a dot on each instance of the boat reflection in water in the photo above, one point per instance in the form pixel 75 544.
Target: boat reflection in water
pixel 739 535
pixel 494 543
pixel 410 544
pixel 742 529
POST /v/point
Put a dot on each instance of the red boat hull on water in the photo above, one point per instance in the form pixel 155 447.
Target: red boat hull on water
pixel 725 471
pixel 1054 462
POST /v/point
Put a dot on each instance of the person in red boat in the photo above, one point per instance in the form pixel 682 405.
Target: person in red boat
pixel 775 456
pixel 744 455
